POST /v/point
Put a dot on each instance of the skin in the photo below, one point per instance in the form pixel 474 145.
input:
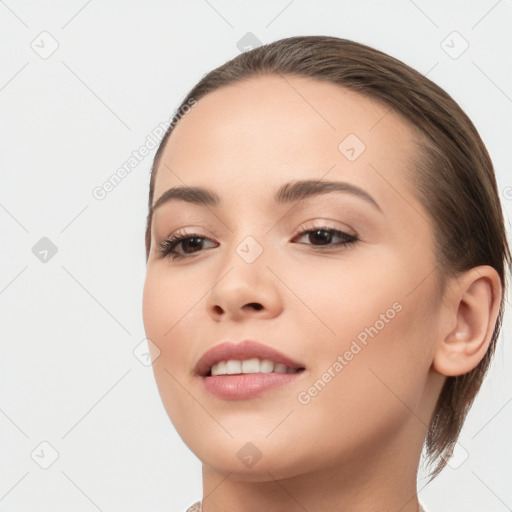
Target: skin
pixel 356 445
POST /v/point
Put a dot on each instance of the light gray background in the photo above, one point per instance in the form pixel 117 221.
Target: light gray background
pixel 69 376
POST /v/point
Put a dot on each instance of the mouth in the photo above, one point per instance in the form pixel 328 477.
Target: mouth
pixel 245 370
pixel 246 366
pixel 245 357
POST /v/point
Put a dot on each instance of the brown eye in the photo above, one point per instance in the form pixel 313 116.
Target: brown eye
pixel 190 244
pixel 321 237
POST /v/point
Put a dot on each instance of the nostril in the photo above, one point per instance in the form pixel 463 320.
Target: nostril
pixel 255 305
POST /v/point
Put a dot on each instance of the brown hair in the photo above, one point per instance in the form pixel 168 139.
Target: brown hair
pixel 454 176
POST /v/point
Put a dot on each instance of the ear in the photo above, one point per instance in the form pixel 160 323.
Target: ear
pixel 475 296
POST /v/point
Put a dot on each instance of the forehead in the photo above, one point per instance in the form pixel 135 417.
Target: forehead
pixel 248 137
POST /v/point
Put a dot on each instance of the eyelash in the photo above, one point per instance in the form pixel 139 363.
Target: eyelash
pixel 167 247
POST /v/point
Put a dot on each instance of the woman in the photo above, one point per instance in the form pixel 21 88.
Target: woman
pixel 325 281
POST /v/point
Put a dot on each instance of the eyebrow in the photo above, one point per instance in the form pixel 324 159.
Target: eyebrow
pixel 287 193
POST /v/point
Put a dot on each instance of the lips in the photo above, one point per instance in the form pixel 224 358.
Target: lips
pixel 246 349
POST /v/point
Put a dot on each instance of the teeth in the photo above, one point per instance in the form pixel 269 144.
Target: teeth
pixel 280 368
pixel 266 366
pixel 234 366
pixel 220 368
pixel 251 366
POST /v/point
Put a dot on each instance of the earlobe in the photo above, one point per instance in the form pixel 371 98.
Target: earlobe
pixel 476 299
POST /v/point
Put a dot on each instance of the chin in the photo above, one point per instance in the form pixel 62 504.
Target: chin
pixel 250 462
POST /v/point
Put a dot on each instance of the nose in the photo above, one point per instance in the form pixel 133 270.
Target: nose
pixel 244 290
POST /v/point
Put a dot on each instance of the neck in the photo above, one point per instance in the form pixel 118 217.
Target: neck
pixel 376 480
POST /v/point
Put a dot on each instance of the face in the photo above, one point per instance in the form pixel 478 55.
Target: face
pixel 340 281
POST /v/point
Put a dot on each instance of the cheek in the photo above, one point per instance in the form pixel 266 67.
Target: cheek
pixel 376 390
pixel 375 336
pixel 162 311
pixel 172 307
pixel 345 298
pixel 157 310
pixel 384 347
pixel 169 301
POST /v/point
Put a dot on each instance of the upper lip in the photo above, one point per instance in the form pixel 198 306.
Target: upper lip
pixel 246 349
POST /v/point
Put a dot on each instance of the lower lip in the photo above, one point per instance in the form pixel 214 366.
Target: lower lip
pixel 246 385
